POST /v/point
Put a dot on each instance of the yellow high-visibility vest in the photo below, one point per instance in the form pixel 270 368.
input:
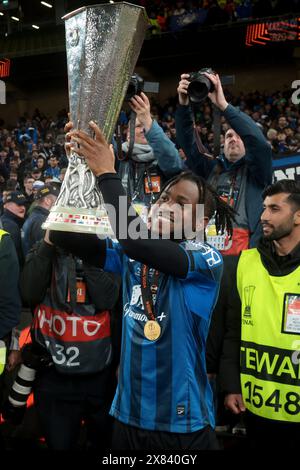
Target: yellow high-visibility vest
pixel 270 339
pixel 2 232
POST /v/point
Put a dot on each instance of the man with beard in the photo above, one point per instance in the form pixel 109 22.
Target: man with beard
pixel 259 367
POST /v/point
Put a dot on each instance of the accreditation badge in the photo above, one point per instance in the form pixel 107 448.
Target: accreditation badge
pixel 291 314
pixel 80 292
pixel 152 184
pixel 218 241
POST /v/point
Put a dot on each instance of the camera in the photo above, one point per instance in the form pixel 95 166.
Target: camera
pixel 200 85
pixel 135 87
pixel 14 408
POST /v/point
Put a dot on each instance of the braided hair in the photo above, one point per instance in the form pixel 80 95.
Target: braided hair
pixel 213 204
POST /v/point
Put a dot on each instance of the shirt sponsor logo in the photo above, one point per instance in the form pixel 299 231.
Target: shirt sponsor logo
pixel 136 303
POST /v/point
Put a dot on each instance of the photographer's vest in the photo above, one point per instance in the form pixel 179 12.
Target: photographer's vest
pixel 66 323
pixel 270 339
pixel 2 343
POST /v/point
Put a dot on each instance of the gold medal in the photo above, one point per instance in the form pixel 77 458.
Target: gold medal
pixel 152 330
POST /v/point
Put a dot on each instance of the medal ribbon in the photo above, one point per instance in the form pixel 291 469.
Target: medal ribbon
pixel 146 291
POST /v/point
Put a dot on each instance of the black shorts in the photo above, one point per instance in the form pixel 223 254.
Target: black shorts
pixel 127 437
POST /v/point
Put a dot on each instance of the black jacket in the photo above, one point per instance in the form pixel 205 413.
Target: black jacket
pixel 10 302
pixel 229 359
pixel 32 228
pixel 103 287
pixel 228 305
pixel 12 224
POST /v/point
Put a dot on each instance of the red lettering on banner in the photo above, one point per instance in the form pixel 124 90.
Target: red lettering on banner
pixel 70 328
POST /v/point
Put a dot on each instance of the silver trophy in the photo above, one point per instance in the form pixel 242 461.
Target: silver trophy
pixel 103 43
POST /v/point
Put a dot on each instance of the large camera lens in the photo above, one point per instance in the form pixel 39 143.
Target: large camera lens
pixel 199 88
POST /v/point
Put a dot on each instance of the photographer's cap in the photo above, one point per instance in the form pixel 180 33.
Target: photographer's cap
pixel 38 184
pixel 17 197
pixel 36 171
pixel 51 188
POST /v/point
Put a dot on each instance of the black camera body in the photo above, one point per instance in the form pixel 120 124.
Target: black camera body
pixel 200 85
pixel 135 87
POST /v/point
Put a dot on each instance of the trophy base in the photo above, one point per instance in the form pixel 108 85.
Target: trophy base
pixel 73 219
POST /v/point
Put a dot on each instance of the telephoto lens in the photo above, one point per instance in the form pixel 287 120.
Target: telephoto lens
pixel 14 408
pixel 22 386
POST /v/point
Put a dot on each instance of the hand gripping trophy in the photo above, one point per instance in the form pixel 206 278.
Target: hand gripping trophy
pixel 103 43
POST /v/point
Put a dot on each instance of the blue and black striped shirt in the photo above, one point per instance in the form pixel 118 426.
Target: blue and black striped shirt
pixel 163 384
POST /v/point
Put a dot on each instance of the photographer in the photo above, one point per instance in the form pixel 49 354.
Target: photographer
pixel 72 361
pixel 239 174
pixel 154 157
pixel 32 229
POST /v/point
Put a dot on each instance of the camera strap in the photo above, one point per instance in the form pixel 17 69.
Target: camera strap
pixel 132 122
pixel 72 285
pixel 217 130
pixel 200 146
pixel 119 142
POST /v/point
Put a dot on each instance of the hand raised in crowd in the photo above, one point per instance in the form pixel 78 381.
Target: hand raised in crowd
pixel 217 96
pixel 141 106
pixel 97 152
pixel 234 402
pixel 182 89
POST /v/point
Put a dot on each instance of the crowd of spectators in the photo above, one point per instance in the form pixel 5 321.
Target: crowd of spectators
pixel 33 153
pixel 166 15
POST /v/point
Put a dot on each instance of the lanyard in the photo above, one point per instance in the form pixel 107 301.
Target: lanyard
pixel 146 291
pixel 232 189
pixel 149 182
pixel 150 186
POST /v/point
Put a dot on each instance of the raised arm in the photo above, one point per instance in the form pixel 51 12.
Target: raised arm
pixel 165 152
pixel 164 255
pixel 185 133
pixel 258 151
